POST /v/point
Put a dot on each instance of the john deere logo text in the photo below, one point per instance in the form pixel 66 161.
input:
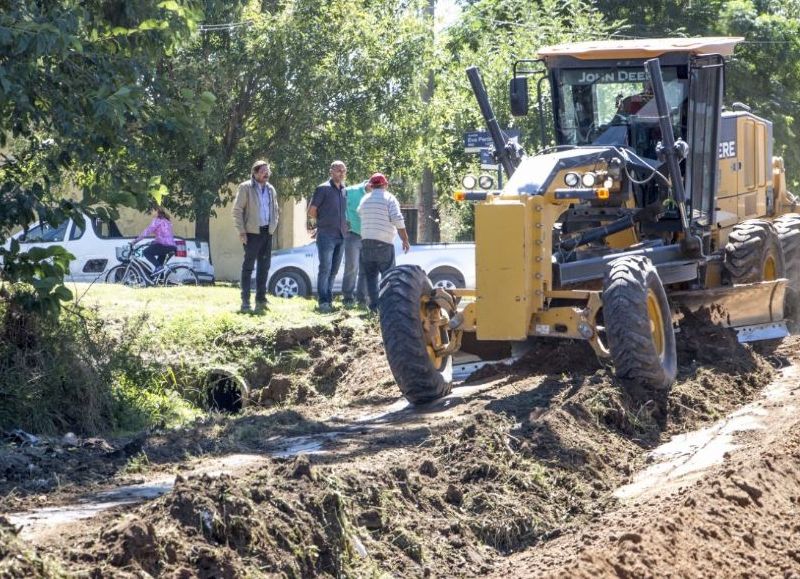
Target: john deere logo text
pixel 727 149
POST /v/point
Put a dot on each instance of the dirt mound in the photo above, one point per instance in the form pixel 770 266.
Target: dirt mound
pixel 716 372
pixel 438 492
pixel 18 562
pixel 54 465
pixel 744 517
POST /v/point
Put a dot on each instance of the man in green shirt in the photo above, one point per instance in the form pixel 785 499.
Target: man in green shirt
pixel 353 284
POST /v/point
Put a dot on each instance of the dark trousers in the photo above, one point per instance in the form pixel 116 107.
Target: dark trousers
pixel 377 258
pixel 258 253
pixel 156 253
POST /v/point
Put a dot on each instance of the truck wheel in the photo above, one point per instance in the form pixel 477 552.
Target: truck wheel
pixel 411 328
pixel 788 228
pixel 753 252
pixel 638 323
pixel 288 283
pixel 447 278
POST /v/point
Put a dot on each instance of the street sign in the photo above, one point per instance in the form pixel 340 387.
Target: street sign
pixel 487 160
pixel 474 141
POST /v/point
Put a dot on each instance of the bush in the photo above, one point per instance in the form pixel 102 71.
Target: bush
pixel 71 374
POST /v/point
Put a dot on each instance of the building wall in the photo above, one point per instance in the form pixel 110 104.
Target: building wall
pixel 226 249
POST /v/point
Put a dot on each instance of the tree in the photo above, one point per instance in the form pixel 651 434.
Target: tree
pixel 301 83
pixel 493 34
pixel 74 102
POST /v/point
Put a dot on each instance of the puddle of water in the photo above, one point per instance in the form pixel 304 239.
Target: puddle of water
pixel 310 444
pixel 687 456
pixel 39 521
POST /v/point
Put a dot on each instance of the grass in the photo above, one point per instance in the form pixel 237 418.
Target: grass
pixel 142 356
pixel 183 306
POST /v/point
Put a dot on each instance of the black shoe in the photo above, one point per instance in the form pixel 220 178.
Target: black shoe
pixel 261 305
pixel 245 309
pixel 349 303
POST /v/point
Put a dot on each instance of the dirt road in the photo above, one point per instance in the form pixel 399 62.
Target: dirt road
pixel 547 467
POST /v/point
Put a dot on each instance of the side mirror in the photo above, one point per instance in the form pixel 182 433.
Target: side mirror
pixel 518 96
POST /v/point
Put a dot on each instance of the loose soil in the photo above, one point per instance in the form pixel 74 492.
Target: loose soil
pixel 513 474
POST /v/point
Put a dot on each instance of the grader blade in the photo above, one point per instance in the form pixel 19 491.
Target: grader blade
pixel 754 310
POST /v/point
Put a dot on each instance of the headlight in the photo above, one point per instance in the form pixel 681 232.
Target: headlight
pixel 469 182
pixel 485 182
pixel 572 179
pixel 588 179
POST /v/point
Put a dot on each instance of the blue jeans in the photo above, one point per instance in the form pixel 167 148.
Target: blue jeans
pixel 329 249
pixel 353 281
pixel 377 258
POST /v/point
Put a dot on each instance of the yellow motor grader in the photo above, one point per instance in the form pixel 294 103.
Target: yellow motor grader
pixel 654 201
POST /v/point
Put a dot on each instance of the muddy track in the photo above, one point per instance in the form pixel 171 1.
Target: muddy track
pixel 522 468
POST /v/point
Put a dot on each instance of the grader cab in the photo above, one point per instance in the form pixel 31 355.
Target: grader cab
pixel 654 201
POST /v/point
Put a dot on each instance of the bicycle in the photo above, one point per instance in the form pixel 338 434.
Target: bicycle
pixel 136 271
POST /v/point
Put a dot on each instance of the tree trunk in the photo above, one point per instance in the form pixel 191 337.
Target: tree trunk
pixel 202 224
pixel 428 217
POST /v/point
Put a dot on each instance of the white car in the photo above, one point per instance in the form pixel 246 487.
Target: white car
pixel 94 244
pixel 293 272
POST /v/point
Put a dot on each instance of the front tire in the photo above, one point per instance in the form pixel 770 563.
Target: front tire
pixel 412 328
pixel 753 253
pixel 638 323
pixel 788 229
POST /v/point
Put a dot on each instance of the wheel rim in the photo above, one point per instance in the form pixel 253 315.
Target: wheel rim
pixel 132 278
pixel 445 284
pixel 434 323
pixel 180 277
pixel 770 269
pixel 287 287
pixel 656 323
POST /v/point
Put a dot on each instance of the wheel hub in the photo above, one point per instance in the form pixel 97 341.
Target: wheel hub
pixel 656 323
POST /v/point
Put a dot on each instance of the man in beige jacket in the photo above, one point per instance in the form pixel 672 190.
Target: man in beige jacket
pixel 255 215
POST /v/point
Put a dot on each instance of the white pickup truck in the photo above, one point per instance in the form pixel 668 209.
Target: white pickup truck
pixel 94 248
pixel 293 272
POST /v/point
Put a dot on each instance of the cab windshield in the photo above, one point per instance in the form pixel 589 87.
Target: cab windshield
pixel 615 106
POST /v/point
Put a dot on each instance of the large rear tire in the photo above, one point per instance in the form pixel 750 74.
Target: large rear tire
pixel 753 253
pixel 788 229
pixel 638 323
pixel 405 315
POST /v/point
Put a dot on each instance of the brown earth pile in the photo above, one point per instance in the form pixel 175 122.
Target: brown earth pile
pixel 537 454
pixel 17 561
pixel 743 520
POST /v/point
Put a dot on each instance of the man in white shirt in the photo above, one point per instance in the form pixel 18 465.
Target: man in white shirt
pixel 380 218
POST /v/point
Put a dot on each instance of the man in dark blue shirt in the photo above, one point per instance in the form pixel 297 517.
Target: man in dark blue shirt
pixel 327 213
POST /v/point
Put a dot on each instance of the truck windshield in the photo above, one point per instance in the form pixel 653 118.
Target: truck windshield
pixel 615 106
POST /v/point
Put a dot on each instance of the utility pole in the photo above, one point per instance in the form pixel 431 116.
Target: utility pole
pixel 428 218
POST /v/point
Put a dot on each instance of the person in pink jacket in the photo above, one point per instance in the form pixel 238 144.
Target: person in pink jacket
pixel 164 243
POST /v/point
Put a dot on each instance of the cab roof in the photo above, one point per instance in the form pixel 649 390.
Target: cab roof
pixel 641 48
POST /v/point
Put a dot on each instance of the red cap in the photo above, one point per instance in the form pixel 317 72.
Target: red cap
pixel 378 180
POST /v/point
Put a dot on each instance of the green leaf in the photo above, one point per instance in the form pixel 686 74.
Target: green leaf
pixel 63 293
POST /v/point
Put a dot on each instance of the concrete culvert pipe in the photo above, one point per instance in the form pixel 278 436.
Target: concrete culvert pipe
pixel 225 391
